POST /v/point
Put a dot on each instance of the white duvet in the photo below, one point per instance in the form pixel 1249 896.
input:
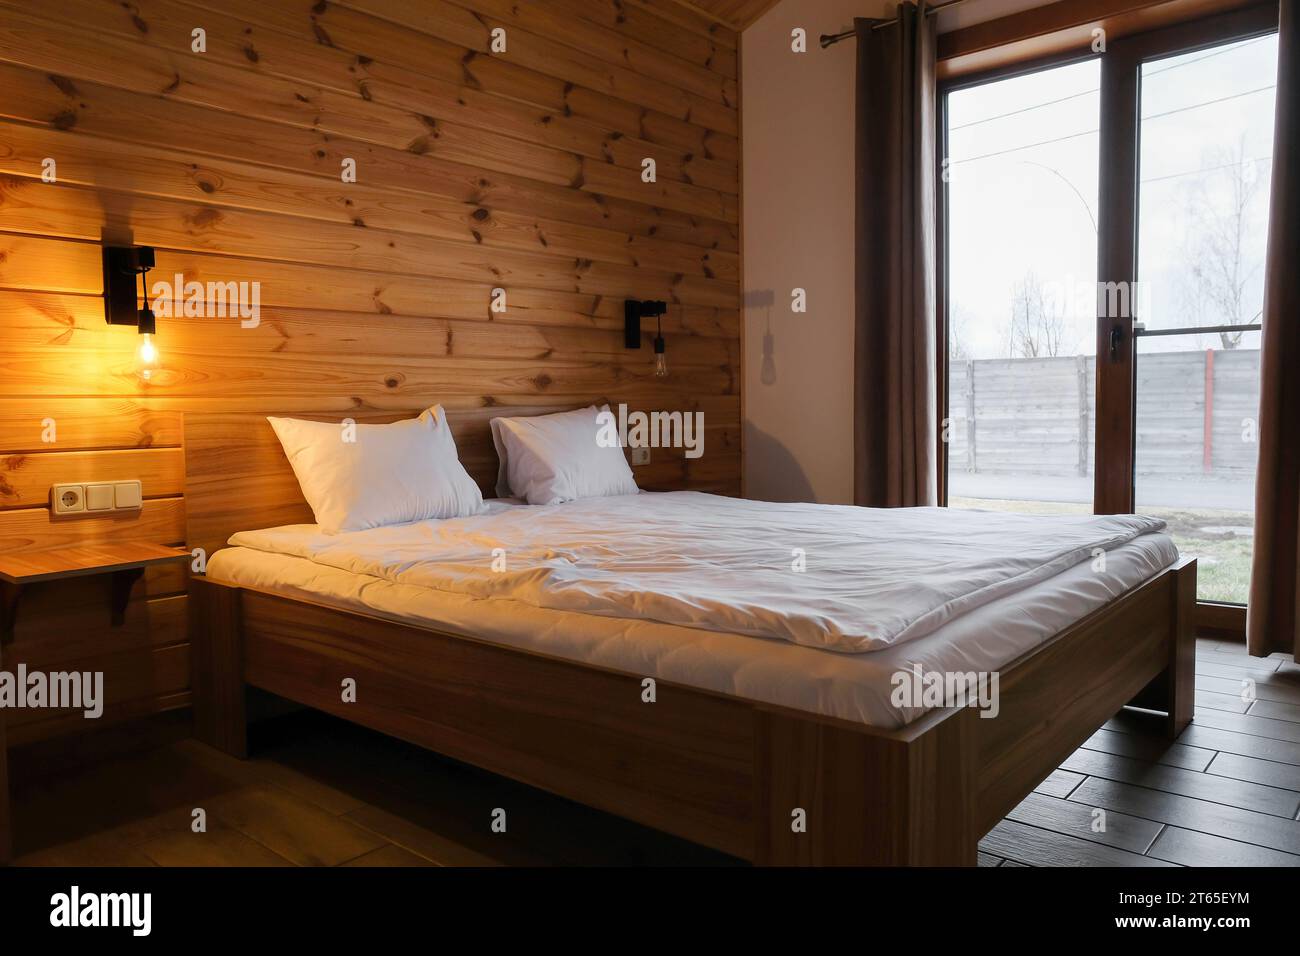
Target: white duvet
pixel 870 579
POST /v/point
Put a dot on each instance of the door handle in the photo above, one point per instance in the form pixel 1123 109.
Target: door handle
pixel 1116 337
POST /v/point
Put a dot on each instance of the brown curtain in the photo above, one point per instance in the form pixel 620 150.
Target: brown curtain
pixel 894 364
pixel 1273 615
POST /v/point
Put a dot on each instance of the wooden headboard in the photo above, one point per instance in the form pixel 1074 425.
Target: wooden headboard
pixel 238 478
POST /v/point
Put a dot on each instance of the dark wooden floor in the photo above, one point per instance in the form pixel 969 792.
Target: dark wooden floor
pixel 322 792
pixel 1226 793
pixel 317 792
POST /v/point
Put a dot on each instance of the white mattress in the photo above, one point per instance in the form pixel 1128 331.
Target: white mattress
pixel 855 686
pixel 829 576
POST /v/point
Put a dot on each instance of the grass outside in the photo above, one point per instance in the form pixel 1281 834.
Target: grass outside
pixel 1220 540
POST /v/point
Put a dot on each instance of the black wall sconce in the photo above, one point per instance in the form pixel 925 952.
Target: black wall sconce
pixel 121 265
pixel 633 311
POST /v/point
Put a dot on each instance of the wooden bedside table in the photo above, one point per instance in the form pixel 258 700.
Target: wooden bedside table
pixel 125 562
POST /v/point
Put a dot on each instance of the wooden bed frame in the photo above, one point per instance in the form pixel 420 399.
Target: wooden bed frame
pixel 722 771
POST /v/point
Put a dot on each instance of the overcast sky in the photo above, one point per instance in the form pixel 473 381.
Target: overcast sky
pixel 1023 191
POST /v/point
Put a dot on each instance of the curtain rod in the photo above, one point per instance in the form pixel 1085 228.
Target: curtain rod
pixel 829 38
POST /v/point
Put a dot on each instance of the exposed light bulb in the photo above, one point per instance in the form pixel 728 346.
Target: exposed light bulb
pixel 146 357
pixel 661 360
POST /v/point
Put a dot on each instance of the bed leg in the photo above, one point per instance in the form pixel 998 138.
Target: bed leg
pixel 217 678
pixel 1173 690
pixel 1181 676
pixel 866 800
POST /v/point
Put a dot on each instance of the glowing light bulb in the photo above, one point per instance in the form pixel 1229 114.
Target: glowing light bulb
pixel 146 357
pixel 661 360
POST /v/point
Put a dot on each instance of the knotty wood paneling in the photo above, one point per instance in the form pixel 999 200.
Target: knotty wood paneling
pixel 477 170
pixel 160 520
pixel 25 480
pixel 117 423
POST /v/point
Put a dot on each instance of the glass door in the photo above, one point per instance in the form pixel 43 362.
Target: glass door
pixel 1104 223
pixel 1206 142
pixel 1021 260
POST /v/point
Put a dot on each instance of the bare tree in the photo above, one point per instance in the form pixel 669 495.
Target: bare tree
pixel 959 320
pixel 1221 261
pixel 1038 327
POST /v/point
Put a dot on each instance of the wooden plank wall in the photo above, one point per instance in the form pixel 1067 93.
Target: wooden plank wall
pixel 476 169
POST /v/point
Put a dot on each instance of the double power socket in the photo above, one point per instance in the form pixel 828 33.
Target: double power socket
pixel 95 497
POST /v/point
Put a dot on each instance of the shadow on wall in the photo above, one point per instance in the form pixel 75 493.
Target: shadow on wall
pixel 771 472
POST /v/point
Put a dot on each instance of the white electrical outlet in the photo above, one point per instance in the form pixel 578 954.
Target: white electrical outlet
pixel 96 497
pixel 68 499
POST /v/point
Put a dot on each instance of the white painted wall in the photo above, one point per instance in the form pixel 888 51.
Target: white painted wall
pixel 797 128
pixel 797 116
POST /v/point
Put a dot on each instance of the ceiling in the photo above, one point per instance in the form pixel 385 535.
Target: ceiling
pixel 736 14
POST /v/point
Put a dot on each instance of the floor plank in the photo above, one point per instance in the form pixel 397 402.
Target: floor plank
pixel 94 850
pixel 1276 710
pixel 1232 823
pixel 1059 783
pixel 1241 659
pixel 1236 672
pixel 1150 749
pixel 1251 723
pixel 220 846
pixel 1079 820
pixel 260 769
pixel 1212 701
pixel 431 846
pixel 1209 647
pixel 1248 745
pixel 1236 793
pixel 293 828
pixel 1037 847
pixel 1189 848
pixel 1281 690
pixel 1268 772
pixel 388 855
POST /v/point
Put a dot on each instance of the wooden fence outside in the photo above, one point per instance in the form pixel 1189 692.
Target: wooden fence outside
pixel 1196 414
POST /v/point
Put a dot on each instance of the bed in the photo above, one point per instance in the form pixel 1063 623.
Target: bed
pixel 771 732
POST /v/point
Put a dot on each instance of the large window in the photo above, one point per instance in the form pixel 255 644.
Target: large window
pixel 1106 222
pixel 1022 265
pixel 1206 139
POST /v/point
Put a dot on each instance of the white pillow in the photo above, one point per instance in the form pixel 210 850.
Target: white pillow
pixel 549 459
pixel 406 471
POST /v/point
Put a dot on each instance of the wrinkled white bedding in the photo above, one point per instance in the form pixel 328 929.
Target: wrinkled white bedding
pixel 856 687
pixel 872 578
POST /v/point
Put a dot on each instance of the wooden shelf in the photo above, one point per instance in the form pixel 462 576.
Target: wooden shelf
pixel 51 564
pixel 125 562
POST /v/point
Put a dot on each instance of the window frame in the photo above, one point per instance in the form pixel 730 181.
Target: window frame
pixel 1118 203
